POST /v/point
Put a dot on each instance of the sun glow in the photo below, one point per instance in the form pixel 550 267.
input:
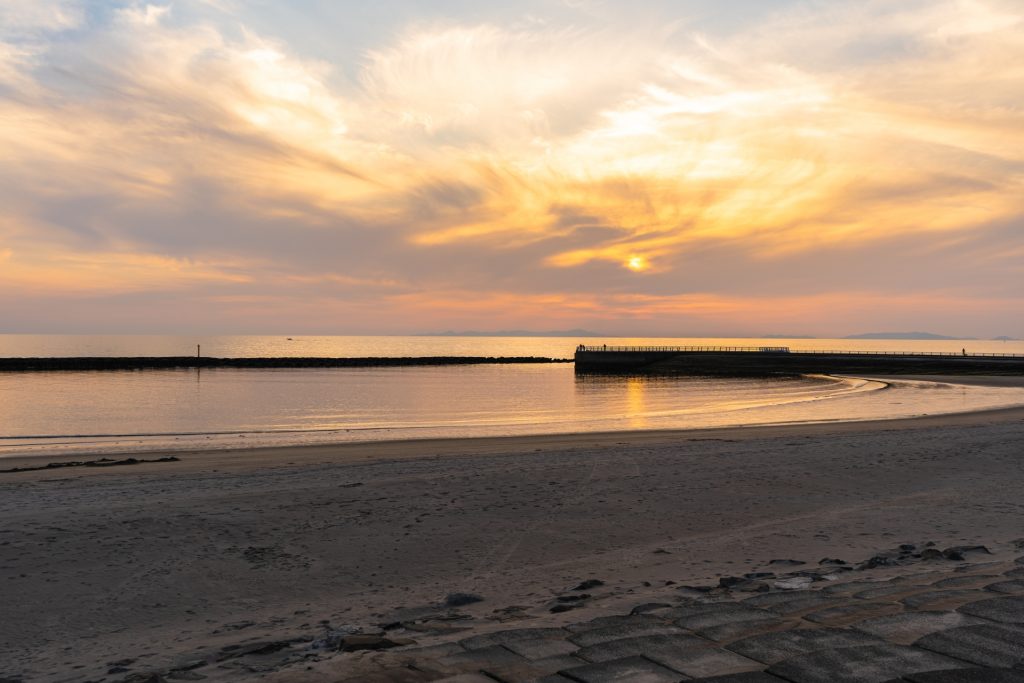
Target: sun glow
pixel 637 264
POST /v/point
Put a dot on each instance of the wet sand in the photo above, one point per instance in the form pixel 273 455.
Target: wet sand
pixel 162 562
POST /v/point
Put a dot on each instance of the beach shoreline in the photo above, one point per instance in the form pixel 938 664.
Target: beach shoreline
pixel 355 451
pixel 220 548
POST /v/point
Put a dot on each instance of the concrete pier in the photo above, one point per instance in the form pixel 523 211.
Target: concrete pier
pixel 770 360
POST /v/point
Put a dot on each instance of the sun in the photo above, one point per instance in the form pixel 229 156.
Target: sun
pixel 637 264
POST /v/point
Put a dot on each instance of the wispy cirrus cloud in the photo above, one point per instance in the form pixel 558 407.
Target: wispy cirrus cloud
pixel 613 173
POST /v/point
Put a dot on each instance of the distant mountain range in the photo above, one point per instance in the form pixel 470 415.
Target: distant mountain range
pixel 515 333
pixel 902 335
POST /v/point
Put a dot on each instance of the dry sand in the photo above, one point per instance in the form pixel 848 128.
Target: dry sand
pixel 163 562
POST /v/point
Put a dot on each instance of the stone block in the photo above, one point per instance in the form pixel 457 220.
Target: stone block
pixel 850 613
pixel 770 648
pixel 986 644
pixel 749 677
pixel 653 647
pixel 602 622
pixel 476 660
pixel 863 664
pixel 904 629
pixel 710 617
pixel 792 602
pixel 976 675
pixel 937 600
pixel 542 648
pixel 1005 610
pixel 887 591
pixel 511 636
pixel 969 580
pixel 851 587
pixel 430 651
pixel 623 630
pixel 708 661
pixel 1014 587
pixel 529 670
pixel 629 669
pixel 396 675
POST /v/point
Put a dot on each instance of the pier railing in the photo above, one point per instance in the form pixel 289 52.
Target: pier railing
pixel 786 349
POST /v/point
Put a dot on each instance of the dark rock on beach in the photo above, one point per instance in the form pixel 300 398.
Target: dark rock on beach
pixel 461 599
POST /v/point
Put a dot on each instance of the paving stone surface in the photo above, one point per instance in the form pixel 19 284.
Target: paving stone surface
pixel 770 648
pixel 792 602
pixel 749 677
pixel 402 675
pixel 617 632
pixel 986 644
pixel 887 591
pixel 603 622
pixel 541 648
pixel 1014 587
pixel 682 653
pixel 476 660
pixel 978 675
pixel 708 661
pixel 962 581
pixel 938 624
pixel 511 636
pixel 653 647
pixel 863 664
pixel 632 669
pixel 701 617
pixel 848 614
pixel 851 587
pixel 1005 610
pixel 904 629
pixel 942 599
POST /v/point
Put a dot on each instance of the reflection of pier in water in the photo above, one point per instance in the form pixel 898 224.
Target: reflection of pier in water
pixel 757 361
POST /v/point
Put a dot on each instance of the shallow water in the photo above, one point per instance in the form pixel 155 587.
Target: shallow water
pixel 118 412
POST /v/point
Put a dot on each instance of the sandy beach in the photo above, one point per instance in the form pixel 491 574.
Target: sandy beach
pixel 109 572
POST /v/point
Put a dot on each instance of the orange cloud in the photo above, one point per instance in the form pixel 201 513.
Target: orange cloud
pixel 590 165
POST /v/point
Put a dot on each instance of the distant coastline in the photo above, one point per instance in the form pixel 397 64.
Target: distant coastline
pixel 515 333
pixel 925 336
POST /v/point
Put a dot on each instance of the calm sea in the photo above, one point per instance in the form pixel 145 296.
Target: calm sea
pixel 120 412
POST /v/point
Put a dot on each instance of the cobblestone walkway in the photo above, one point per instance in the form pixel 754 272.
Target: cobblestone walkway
pixel 937 623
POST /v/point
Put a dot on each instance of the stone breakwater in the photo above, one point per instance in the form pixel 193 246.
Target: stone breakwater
pixel 912 614
pixel 190 362
pixel 767 364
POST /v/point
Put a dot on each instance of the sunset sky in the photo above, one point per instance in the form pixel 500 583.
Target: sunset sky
pixel 673 167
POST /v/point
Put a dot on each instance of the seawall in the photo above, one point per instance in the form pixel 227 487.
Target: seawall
pixel 758 364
